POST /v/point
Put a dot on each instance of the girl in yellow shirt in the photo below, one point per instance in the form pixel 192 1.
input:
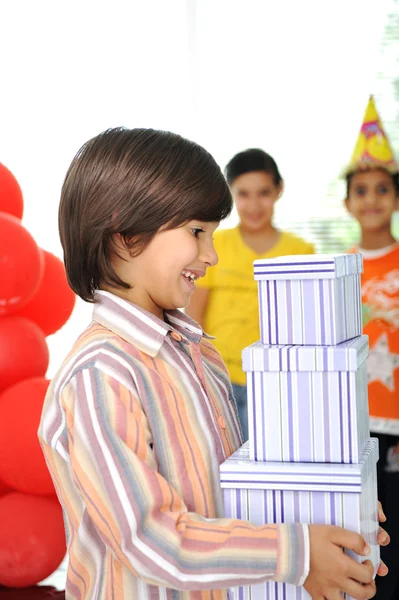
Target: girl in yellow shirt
pixel 226 301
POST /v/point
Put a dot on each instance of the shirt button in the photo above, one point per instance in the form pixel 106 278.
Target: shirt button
pixel 222 422
pixel 176 336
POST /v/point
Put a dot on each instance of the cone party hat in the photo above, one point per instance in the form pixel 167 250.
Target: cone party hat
pixel 372 150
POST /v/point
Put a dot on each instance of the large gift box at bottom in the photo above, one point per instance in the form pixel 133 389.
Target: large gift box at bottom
pixel 336 494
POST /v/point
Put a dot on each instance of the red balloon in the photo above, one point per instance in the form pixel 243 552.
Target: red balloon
pixel 11 200
pixel 22 463
pixel 53 302
pixel 32 539
pixel 23 351
pixel 21 264
pixel 4 488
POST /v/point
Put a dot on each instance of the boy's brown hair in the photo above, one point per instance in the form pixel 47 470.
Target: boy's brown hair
pixel 132 182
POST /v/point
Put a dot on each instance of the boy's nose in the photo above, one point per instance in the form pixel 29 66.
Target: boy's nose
pixel 209 256
pixel 253 203
pixel 371 199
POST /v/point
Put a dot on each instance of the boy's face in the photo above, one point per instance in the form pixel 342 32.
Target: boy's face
pixel 372 199
pixel 254 195
pixel 161 276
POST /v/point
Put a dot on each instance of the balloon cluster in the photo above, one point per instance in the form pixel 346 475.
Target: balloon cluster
pixel 35 301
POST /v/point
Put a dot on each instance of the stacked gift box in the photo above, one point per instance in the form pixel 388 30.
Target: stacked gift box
pixel 309 457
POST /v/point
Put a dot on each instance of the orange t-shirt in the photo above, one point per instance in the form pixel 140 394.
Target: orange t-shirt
pixel 380 298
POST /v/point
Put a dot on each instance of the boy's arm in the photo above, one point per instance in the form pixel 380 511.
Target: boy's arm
pixel 142 519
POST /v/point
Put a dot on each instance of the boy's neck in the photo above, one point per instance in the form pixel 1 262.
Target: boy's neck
pixel 375 240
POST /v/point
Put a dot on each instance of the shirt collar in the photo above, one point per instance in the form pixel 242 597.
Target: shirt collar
pixel 140 327
pixel 369 254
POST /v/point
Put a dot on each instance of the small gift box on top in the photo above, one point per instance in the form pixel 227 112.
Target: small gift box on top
pixel 335 494
pixel 309 299
pixel 307 403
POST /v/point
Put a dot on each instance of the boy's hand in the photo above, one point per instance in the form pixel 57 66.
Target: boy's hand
pixel 383 539
pixel 381 515
pixel 332 571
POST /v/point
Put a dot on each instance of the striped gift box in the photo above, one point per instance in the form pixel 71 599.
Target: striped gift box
pixel 309 299
pixel 335 494
pixel 307 403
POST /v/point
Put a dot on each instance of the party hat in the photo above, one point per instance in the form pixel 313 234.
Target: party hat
pixel 372 150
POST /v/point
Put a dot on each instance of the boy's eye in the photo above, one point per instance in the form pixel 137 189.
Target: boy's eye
pixel 196 231
pixel 360 191
pixel 265 193
pixel 382 189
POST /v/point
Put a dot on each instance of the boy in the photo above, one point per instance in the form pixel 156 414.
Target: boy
pixel 372 198
pixel 140 415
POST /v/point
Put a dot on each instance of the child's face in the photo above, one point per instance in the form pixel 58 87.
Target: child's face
pixel 372 199
pixel 160 274
pixel 254 195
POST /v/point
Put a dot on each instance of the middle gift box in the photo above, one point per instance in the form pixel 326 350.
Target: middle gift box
pixel 307 403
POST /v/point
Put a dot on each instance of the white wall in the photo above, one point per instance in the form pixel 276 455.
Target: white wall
pixel 292 77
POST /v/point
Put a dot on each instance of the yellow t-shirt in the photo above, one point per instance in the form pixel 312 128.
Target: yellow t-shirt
pixel 232 314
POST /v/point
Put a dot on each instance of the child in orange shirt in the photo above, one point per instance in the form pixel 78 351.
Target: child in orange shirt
pixel 372 198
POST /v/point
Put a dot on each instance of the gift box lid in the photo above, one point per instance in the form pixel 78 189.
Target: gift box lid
pixel 308 266
pixel 239 472
pixel 347 356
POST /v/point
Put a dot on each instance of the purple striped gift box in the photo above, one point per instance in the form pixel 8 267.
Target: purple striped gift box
pixel 307 403
pixel 336 494
pixel 309 299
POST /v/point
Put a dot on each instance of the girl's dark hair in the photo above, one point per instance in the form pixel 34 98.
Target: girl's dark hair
pixel 132 182
pixel 395 180
pixel 250 160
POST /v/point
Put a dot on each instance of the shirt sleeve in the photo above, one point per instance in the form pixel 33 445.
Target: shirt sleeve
pixel 142 519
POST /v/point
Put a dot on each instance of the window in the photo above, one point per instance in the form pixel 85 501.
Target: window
pixel 336 231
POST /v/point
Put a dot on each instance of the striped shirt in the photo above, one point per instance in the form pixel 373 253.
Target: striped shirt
pixel 134 427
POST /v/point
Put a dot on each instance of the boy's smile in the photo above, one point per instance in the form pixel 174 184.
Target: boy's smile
pixel 191 276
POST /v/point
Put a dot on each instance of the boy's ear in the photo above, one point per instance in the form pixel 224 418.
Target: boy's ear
pixel 119 243
pixel 119 247
pixel 281 190
pixel 117 240
pixel 346 202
